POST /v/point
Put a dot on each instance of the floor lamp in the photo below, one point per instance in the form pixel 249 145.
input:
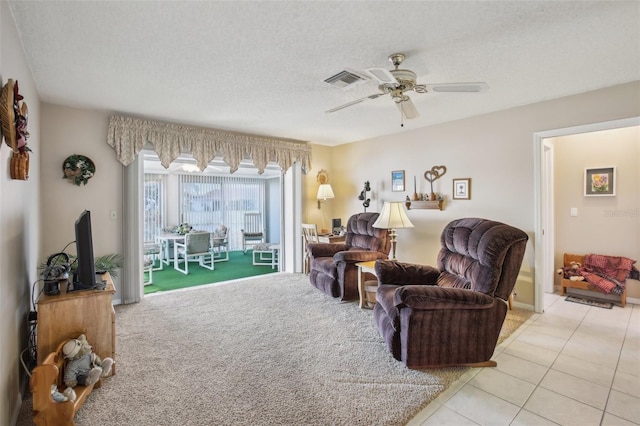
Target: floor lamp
pixel 393 217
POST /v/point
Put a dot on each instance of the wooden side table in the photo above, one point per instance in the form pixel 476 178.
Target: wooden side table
pixel 331 238
pixel 364 286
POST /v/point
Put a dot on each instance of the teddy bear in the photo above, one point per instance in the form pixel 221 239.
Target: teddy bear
pixel 83 366
pixel 571 272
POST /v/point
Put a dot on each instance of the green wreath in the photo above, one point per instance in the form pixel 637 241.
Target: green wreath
pixel 78 169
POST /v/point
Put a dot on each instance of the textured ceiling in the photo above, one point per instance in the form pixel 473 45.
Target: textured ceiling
pixel 258 67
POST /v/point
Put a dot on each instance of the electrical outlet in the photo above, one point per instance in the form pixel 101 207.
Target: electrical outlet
pixel 114 215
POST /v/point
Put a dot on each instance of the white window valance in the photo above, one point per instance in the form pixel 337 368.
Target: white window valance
pixel 128 136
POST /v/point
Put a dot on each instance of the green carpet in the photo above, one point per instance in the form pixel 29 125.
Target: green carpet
pixel 239 266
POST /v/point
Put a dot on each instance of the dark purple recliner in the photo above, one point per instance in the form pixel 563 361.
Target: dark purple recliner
pixel 333 266
pixel 451 315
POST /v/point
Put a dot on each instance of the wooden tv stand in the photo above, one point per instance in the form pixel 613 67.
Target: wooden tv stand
pixel 67 315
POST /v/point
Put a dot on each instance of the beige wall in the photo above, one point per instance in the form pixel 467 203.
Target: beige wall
pixel 494 150
pixel 311 214
pixel 74 131
pixel 604 225
pixel 19 227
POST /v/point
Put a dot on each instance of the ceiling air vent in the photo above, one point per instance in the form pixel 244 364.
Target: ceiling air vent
pixel 345 79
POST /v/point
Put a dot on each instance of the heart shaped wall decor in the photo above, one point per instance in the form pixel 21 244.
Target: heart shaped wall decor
pixel 439 171
pixel 430 176
pixel 435 173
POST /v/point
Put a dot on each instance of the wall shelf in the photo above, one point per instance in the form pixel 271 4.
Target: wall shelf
pixel 413 205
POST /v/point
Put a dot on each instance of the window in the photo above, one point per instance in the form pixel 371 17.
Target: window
pixel 206 201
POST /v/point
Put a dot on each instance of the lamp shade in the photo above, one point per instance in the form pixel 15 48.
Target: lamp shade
pixel 393 216
pixel 325 191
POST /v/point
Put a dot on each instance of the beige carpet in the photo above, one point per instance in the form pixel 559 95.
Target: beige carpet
pixel 266 351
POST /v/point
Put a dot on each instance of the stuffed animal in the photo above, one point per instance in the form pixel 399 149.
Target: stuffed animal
pixel 571 272
pixel 83 366
pixel 68 395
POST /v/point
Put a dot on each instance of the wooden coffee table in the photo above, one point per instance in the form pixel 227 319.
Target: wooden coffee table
pixel 363 269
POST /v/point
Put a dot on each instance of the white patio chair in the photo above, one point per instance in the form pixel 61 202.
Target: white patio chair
pixel 252 233
pixel 220 244
pixel 310 235
pixel 197 245
pixel 147 270
pixel 152 250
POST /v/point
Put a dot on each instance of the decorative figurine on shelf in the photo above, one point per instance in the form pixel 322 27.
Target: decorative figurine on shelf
pixel 363 196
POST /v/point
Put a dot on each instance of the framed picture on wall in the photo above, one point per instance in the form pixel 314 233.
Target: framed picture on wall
pixel 462 189
pixel 397 180
pixel 599 182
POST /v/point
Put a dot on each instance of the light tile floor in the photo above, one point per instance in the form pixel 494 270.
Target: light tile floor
pixel 571 365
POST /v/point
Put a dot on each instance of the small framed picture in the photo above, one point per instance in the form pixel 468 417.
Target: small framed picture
pixel 599 182
pixel 462 189
pixel 397 180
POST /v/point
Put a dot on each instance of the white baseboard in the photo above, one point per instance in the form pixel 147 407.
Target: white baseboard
pixel 633 301
pixel 520 305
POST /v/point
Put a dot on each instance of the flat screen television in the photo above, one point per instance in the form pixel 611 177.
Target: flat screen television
pixel 85 276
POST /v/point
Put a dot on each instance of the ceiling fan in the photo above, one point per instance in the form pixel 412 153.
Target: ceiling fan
pixel 396 83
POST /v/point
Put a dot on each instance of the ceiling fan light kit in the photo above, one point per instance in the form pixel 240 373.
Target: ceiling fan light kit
pixel 396 83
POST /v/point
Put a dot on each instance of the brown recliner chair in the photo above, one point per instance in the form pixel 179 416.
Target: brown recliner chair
pixel 451 315
pixel 333 266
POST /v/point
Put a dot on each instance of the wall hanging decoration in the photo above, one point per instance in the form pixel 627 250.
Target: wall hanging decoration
pixel 435 173
pixel 397 181
pixel 600 182
pixel 462 189
pixel 78 169
pixel 14 115
pixel 363 196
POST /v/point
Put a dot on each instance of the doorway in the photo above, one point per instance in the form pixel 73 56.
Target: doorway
pixel 212 200
pixel 544 201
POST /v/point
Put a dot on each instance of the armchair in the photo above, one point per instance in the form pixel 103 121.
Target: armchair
pixel 333 265
pixel 452 314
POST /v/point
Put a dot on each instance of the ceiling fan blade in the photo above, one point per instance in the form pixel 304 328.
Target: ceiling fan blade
pixel 357 101
pixel 458 87
pixel 407 108
pixel 382 75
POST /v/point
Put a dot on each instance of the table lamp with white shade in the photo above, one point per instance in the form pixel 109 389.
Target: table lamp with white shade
pixel 393 217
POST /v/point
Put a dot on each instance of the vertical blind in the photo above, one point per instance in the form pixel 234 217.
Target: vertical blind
pixel 154 205
pixel 206 201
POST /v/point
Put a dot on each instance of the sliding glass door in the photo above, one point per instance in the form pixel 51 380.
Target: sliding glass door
pixel 206 201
